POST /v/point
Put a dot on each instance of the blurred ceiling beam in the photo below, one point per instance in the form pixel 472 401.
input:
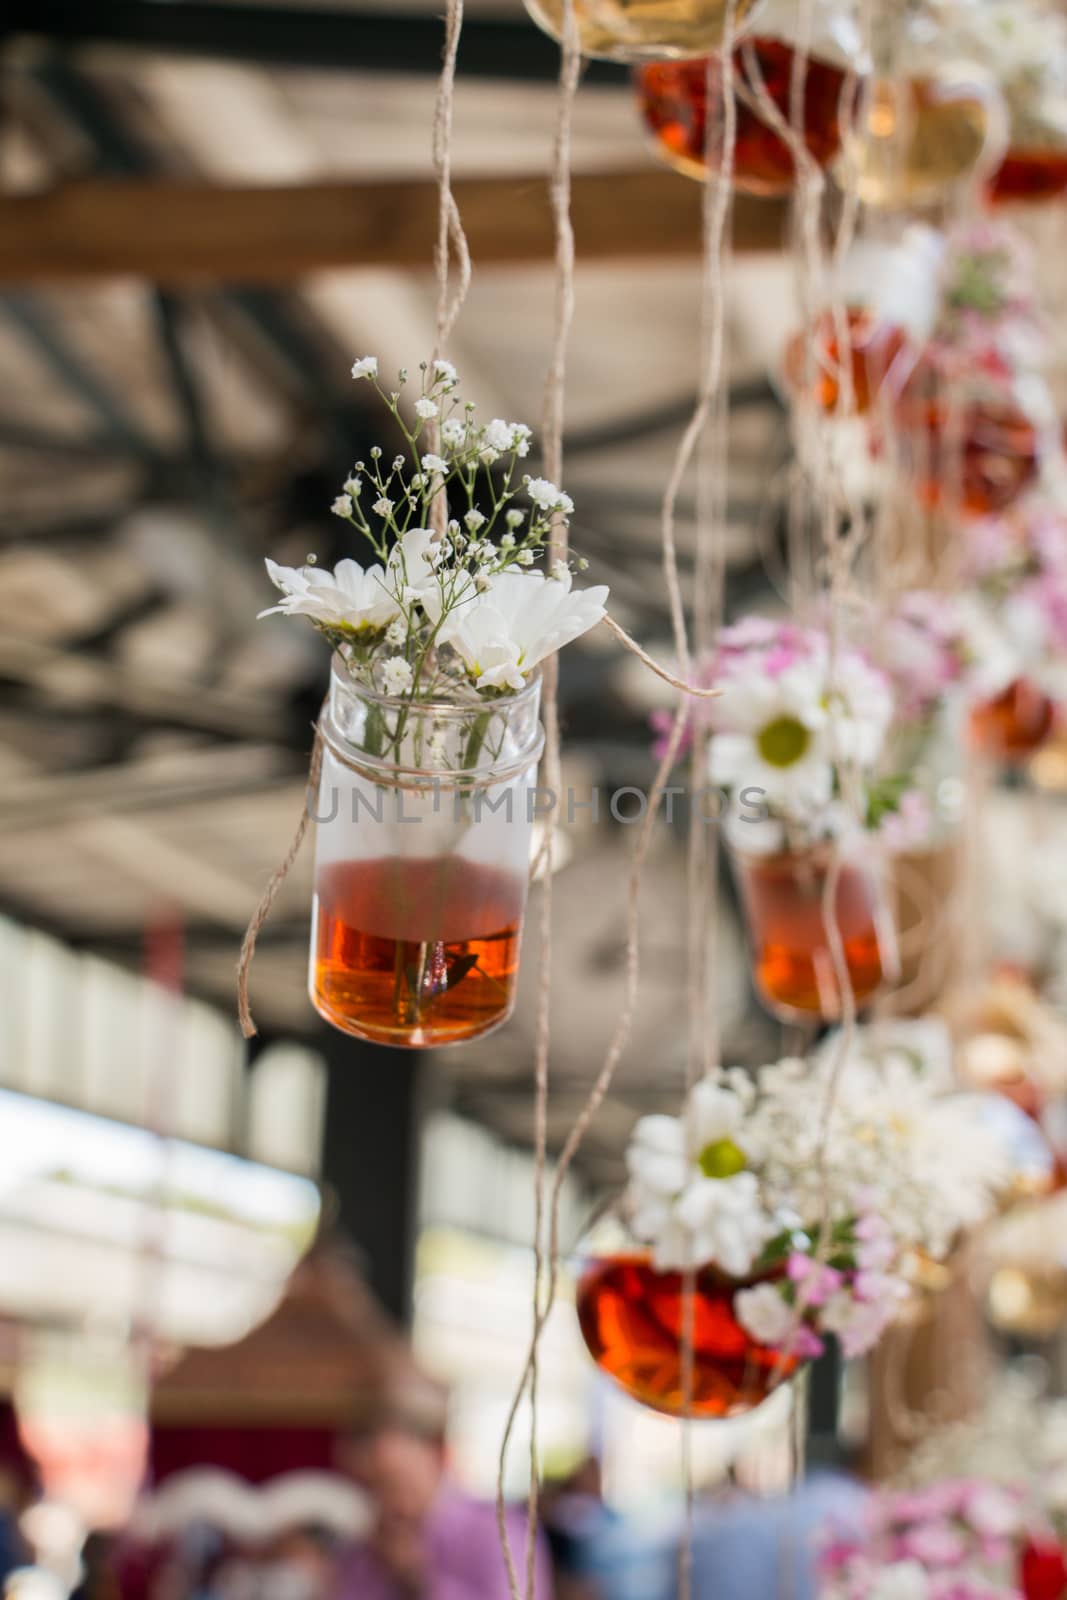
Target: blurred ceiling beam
pixel 180 233
pixel 326 37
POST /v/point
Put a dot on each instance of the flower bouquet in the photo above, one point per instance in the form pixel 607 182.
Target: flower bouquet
pixel 1016 567
pixel 952 1540
pixel 970 417
pixel 795 717
pixel 430 733
pixel 788 1230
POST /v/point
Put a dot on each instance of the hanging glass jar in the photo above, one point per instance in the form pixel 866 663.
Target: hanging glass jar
pixel 632 1318
pixel 1034 85
pixel 1012 725
pixel 642 30
pixel 673 100
pixel 879 351
pixel 424 820
pixel 782 895
pixel 917 140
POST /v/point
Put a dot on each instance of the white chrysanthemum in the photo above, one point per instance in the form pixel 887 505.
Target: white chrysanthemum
pixel 348 597
pixel 426 408
pixel 397 676
pixel 503 634
pixel 365 367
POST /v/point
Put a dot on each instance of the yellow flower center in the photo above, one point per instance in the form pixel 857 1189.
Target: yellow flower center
pixel 783 741
pixel 721 1159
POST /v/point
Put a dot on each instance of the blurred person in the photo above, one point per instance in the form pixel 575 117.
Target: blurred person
pixel 99 1580
pixel 428 1540
pixel 746 1548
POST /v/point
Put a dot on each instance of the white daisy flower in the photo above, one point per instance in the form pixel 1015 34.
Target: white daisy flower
pixel 348 597
pixel 503 634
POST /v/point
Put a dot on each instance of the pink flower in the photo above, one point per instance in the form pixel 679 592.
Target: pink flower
pixel 935 1544
pixel 818 1282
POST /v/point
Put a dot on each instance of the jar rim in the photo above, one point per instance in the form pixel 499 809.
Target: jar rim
pixel 437 708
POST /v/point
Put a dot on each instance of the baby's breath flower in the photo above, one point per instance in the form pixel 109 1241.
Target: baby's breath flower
pixel 398 462
pixel 445 372
pixel 396 632
pixel 496 435
pixel 417 482
pixel 437 748
pixel 482 583
pixel 473 521
pixel 376 452
pixel 365 367
pixel 514 519
pixel 354 487
pixel 583 565
pixel 453 433
pixel 525 558
pixel 425 407
pixel 545 495
pixel 507 541
pixel 560 571
pixel 432 463
pixel 342 506
pixel 397 675
pixel 520 438
pixel 383 506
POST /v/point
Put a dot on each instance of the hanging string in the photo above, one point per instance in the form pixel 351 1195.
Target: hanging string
pixel 270 893
pixel 707 430
pixel 552 454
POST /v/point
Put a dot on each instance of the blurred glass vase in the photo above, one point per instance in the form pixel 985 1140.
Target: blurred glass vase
pixel 632 1317
pixel 673 96
pixel 642 30
pixel 783 897
pixel 424 820
pixel 916 141
pixel 1011 726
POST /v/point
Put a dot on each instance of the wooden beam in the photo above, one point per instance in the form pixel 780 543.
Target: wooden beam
pixel 179 233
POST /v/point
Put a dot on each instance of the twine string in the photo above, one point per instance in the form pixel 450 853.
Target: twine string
pixel 270 893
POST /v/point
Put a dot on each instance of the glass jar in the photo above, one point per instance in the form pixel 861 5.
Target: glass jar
pixel 917 139
pixel 673 101
pixel 878 351
pixel 424 820
pixel 983 457
pixel 632 1320
pixel 1012 725
pixel 792 966
pixel 642 30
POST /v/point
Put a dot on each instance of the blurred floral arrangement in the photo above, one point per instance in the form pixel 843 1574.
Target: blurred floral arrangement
pixel 824 1220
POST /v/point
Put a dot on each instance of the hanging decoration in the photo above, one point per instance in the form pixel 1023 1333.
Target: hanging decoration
pixel 643 30
pixel 916 139
pixel 673 97
pixel 430 732
pixel 791 712
pixel 734 1191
